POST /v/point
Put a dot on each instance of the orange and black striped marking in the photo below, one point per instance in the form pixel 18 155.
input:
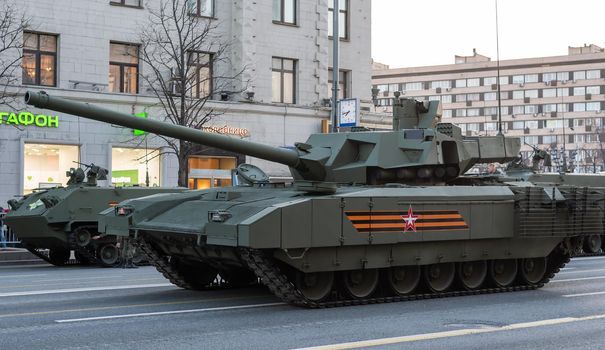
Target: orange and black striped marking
pixel 393 221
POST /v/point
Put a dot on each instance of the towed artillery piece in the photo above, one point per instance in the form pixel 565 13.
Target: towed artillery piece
pixel 52 222
pixel 371 217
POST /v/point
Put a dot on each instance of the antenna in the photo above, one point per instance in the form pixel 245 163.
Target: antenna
pixel 498 74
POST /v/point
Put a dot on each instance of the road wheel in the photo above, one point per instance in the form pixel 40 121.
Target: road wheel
pixel 59 256
pixel 439 277
pixel 83 237
pixel 315 286
pixel 403 280
pixel 502 273
pixel 108 255
pixel 592 244
pixel 472 274
pixel 532 270
pixel 360 284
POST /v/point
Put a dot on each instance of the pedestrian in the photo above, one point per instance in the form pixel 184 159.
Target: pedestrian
pixel 2 229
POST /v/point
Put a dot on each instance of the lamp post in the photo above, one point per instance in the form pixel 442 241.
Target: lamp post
pixel 563 127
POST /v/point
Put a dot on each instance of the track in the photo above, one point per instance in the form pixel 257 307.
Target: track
pixel 278 283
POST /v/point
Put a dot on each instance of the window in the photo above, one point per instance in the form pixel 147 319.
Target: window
pixel 284 11
pixel 562 107
pixel 549 93
pixel 460 112
pixel 39 59
pixel 461 98
pixel 518 95
pixel 434 98
pixel 563 76
pixel 123 68
pixel 504 80
pixel 518 79
pixel 518 125
pixel 413 86
pixel 594 90
pixel 133 3
pixel 446 98
pixel 531 78
pixel 447 113
pixel 490 111
pixel 579 107
pixel 133 166
pixel 491 126
pixel 460 83
pixel 472 126
pixel 489 81
pixel 473 112
pixel 579 75
pixel 531 109
pixel 531 124
pixel 593 74
pixel 549 108
pixel 562 92
pixel 392 87
pixel 531 93
pixel 343 19
pixel 532 140
pixel 489 96
pixel 554 124
pixel 284 80
pixel 593 106
pixel 444 84
pixel 202 8
pixel 473 97
pixel 343 83
pixel 200 70
pixel 518 109
pixel 503 110
pixel 579 91
pixel 547 77
pixel 473 82
pixel 383 87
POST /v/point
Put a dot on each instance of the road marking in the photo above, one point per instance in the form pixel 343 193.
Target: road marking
pixel 579 279
pixel 223 308
pixel 590 258
pixel 32 275
pixel 580 271
pixel 450 334
pixel 101 308
pixel 79 282
pixel 77 290
pixel 582 294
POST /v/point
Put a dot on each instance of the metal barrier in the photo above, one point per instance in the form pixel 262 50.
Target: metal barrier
pixel 7 237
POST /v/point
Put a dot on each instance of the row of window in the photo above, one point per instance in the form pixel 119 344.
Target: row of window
pixel 525 109
pixel 40 67
pixel 202 8
pixel 587 125
pixel 489 81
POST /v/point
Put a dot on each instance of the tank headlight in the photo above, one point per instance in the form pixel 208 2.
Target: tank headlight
pixel 123 210
pixel 218 215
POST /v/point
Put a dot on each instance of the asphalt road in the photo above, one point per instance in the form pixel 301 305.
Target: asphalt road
pixel 44 307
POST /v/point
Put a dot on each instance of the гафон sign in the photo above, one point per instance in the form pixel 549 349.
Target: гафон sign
pixel 28 118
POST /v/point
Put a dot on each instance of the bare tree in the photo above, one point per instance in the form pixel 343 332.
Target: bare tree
pixel 12 25
pixel 181 52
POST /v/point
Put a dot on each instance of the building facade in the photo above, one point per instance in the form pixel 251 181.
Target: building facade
pixel 554 103
pixel 89 51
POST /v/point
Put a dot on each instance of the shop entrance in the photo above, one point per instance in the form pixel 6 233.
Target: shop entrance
pixel 45 165
pixel 210 171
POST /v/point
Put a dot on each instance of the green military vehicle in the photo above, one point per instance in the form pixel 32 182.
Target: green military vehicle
pixel 372 216
pixel 52 222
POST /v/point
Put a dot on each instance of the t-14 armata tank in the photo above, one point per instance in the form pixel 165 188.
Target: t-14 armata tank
pixel 372 216
pixel 52 222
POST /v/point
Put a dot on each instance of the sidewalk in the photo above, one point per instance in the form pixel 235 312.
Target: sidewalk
pixel 13 256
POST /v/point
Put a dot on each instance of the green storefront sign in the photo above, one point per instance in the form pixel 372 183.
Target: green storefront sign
pixel 125 177
pixel 28 118
pixel 140 132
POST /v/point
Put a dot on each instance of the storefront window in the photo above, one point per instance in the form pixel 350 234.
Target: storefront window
pixel 207 172
pixel 131 166
pixel 45 165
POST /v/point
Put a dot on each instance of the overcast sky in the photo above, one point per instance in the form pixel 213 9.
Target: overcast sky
pixel 408 33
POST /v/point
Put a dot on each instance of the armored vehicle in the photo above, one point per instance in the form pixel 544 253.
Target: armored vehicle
pixel 371 217
pixel 52 222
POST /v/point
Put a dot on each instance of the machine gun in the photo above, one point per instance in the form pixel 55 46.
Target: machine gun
pixel 538 156
pixel 94 173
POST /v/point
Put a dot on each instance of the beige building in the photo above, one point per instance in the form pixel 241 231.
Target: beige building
pixel 554 103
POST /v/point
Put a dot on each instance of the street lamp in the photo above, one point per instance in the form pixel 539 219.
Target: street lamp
pixel 563 127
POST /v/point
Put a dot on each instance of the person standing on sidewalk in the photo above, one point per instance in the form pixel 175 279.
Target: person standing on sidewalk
pixel 2 229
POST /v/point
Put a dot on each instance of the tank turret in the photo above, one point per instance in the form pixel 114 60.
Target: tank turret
pixel 419 149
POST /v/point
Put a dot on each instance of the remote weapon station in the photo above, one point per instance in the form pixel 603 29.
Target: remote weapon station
pixel 372 216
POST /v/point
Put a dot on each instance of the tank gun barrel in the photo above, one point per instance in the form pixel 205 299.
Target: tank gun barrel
pixel 279 155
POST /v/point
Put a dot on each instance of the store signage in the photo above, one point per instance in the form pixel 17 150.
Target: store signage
pixel 137 132
pixel 227 130
pixel 28 118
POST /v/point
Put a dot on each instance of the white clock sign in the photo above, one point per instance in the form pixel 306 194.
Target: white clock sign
pixel 348 112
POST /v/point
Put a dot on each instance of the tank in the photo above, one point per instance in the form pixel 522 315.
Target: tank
pixel 371 217
pixel 52 222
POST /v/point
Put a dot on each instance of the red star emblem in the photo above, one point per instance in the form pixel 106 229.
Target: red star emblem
pixel 410 220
